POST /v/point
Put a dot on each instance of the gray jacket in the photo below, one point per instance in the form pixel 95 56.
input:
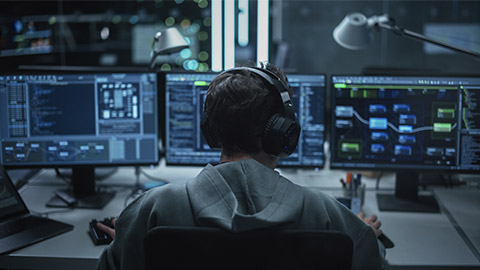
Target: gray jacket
pixel 236 196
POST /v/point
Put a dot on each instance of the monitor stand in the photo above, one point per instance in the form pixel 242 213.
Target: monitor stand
pixel 83 193
pixel 406 198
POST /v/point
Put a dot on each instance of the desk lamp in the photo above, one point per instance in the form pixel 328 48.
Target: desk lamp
pixel 165 42
pixel 355 33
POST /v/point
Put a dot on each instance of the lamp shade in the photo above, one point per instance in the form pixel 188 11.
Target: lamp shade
pixel 353 32
pixel 169 41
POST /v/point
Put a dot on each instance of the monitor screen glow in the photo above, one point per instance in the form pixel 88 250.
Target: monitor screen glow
pixel 68 119
pixel 410 123
pixel 185 93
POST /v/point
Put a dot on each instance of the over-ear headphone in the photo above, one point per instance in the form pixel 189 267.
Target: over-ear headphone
pixel 282 130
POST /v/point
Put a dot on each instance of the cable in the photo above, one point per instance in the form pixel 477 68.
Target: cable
pixel 377 183
pixel 138 188
pixel 62 176
pixel 449 181
pixel 152 177
pixel 107 175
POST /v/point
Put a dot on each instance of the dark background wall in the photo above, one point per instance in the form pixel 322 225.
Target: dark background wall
pixel 76 31
pixel 301 34
pixel 307 30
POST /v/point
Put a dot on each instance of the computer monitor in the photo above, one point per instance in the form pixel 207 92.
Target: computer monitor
pixel 406 124
pixel 79 120
pixel 185 95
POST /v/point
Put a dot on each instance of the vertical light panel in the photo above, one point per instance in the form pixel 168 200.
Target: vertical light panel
pixel 243 22
pixel 217 31
pixel 229 33
pixel 262 33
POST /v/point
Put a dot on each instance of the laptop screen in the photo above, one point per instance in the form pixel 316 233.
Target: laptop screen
pixel 10 201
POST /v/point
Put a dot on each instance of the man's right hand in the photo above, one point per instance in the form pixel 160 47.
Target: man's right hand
pixel 106 229
pixel 372 221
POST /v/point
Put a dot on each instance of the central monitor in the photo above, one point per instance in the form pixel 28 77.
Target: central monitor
pixel 185 95
pixel 406 124
pixel 79 120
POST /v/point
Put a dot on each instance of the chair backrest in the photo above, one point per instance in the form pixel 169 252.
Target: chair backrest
pixel 212 248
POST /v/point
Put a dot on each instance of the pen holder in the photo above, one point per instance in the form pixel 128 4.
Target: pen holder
pixel 353 198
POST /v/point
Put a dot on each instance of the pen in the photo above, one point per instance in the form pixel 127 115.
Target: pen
pixel 358 183
pixel 359 180
pixel 343 183
pixel 349 182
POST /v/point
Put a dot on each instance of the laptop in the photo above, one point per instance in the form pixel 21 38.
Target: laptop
pixel 18 228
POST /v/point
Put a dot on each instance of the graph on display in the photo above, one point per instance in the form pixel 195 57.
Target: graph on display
pixel 405 122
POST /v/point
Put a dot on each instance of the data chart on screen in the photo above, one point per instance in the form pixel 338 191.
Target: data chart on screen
pixel 405 122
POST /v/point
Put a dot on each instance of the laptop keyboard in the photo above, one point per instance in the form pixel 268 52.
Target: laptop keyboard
pixel 19 225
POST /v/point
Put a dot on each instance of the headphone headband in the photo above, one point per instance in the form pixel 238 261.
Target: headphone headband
pixel 281 133
pixel 266 74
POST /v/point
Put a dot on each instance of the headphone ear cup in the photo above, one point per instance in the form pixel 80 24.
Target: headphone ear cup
pixel 208 133
pixel 272 140
pixel 280 136
pixel 270 123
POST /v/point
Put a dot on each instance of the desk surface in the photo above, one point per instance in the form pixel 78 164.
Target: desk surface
pixel 420 239
pixel 463 207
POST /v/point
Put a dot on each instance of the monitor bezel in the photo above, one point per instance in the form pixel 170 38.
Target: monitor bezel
pixel 389 167
pixel 45 70
pixel 282 166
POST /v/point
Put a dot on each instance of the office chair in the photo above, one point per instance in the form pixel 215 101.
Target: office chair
pixel 212 248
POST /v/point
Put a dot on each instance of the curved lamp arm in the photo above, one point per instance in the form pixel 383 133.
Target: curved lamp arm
pixel 386 22
pixel 354 32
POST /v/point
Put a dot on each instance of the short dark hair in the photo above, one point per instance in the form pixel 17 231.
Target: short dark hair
pixel 239 105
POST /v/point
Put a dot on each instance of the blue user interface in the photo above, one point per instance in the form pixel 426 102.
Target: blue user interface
pixel 78 119
pixel 405 122
pixel 185 93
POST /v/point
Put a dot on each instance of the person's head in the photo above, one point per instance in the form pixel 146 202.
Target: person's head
pixel 239 105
